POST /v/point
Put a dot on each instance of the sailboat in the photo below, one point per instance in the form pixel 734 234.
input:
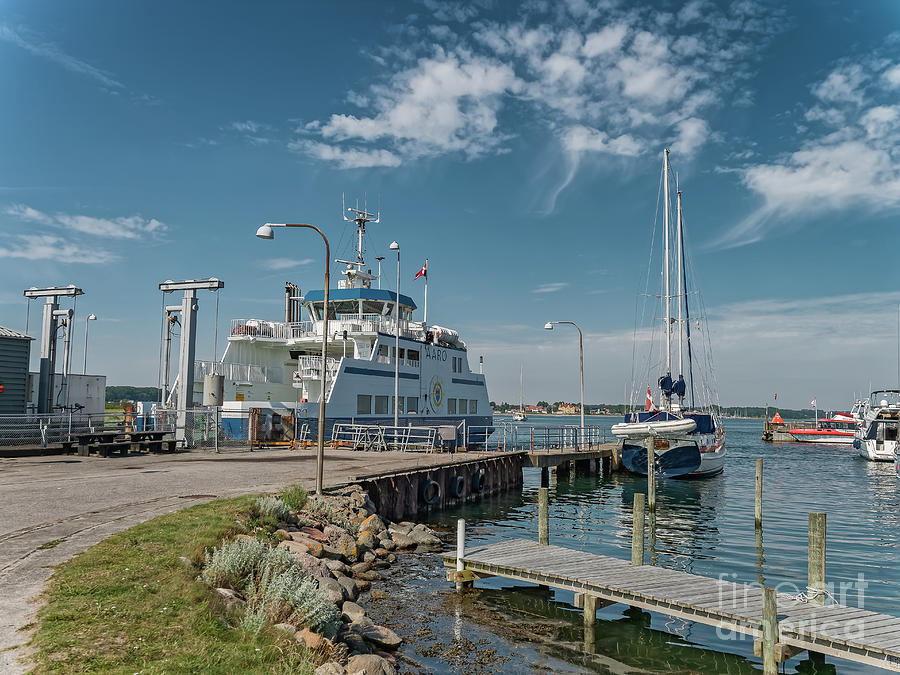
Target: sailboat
pixel 688 439
pixel 519 415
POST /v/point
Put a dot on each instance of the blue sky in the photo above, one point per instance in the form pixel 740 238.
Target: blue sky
pixel 517 147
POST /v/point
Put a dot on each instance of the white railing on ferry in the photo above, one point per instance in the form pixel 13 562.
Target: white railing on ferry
pixel 352 323
pixel 311 366
pixel 238 372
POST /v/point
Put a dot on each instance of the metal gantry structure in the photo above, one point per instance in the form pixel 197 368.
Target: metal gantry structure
pixel 53 318
pixel 186 315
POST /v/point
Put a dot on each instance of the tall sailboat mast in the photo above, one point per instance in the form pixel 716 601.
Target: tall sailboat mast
pixel 679 249
pixel 667 283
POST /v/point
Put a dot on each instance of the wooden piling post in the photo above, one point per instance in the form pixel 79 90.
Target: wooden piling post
pixel 759 475
pixel 460 551
pixel 543 516
pixel 770 632
pixel 815 579
pixel 651 474
pixel 637 530
pixel 590 620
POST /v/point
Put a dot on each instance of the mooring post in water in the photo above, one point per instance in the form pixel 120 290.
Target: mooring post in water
pixel 460 552
pixel 770 632
pixel 543 516
pixel 815 579
pixel 651 474
pixel 637 530
pixel 759 475
pixel 590 620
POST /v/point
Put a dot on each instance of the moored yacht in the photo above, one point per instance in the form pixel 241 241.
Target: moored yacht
pixel 278 364
pixel 877 434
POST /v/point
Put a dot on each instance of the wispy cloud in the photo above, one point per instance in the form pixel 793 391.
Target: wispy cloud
pixel 47 247
pixel 34 44
pixel 602 79
pixel 551 287
pixel 846 158
pixel 129 227
pixel 286 263
pixel 255 133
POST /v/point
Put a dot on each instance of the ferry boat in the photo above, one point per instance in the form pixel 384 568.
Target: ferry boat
pixel 877 434
pixel 832 431
pixel 688 439
pixel 278 364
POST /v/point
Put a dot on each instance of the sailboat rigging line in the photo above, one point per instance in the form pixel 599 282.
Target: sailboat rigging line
pixel 162 328
pixel 687 309
pixel 646 289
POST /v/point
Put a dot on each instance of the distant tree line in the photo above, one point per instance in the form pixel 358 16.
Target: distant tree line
pixel 116 394
pixel 620 409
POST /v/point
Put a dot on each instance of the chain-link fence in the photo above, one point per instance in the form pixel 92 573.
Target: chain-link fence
pixel 45 430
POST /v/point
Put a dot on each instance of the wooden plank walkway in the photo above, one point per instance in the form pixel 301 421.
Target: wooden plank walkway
pixel 846 632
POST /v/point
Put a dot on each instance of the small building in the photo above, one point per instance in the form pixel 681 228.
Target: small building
pixel 568 409
pixel 15 352
pixel 87 393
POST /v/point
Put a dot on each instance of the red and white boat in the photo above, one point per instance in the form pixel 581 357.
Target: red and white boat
pixel 838 430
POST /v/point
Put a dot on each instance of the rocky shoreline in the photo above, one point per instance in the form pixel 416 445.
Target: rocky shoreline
pixel 341 542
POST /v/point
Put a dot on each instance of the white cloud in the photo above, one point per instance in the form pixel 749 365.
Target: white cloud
pixel 600 77
pixel 45 247
pixel 248 127
pixel 347 158
pixel 847 158
pixel 892 76
pixel 21 37
pixel 550 288
pixel 286 263
pixel 128 227
pixel 692 134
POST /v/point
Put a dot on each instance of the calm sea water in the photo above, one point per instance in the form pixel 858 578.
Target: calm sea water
pixel 704 527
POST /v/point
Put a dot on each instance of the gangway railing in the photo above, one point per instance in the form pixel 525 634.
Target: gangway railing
pixel 379 438
pixel 507 435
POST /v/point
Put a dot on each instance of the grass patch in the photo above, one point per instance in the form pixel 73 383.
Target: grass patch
pixel 50 544
pixel 295 497
pixel 129 605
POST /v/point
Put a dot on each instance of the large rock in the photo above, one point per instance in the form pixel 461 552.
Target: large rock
pixel 371 575
pixel 356 643
pixel 360 567
pixel 402 528
pixel 403 540
pixel 302 544
pixel 230 599
pixel 331 553
pixel 347 547
pixel 425 538
pixel 381 637
pixel 362 585
pixel 350 612
pixel 387 543
pixel 313 566
pixel 286 628
pixel 332 590
pixel 349 587
pixel 314 534
pixel 372 524
pixel 369 664
pixel 337 566
pixel 333 532
pixel 367 538
pixel 309 638
pixel 330 668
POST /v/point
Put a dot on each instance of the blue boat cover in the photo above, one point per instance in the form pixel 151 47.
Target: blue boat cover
pixel 379 294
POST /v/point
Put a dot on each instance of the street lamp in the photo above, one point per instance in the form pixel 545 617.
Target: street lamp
pixel 90 317
pixel 549 326
pixel 396 247
pixel 267 232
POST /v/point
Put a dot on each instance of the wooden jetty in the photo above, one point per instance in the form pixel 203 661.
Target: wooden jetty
pixel 784 625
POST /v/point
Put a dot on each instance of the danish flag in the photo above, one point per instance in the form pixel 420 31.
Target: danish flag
pixel 649 399
pixel 422 272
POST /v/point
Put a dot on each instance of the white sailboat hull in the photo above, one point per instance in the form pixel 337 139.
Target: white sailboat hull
pixel 660 429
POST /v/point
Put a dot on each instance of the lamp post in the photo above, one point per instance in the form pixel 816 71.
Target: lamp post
pixel 396 247
pixel 267 232
pixel 549 326
pixel 90 317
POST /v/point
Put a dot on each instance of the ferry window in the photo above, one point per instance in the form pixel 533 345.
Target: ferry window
pixel 392 405
pixel 473 406
pixel 411 403
pixel 363 404
pixel 383 354
pixel 463 403
pixel 381 405
pixel 451 406
pixel 412 354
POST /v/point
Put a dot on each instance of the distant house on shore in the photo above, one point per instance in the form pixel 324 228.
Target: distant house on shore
pixel 567 409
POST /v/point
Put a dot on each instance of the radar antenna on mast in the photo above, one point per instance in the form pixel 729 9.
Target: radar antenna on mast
pixel 359 276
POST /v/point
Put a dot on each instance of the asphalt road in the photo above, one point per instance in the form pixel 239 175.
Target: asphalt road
pixel 79 501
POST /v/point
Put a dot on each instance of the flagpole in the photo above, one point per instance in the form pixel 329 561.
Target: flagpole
pixel 426 292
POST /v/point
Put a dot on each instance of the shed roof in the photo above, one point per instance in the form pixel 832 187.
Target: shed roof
pixel 10 333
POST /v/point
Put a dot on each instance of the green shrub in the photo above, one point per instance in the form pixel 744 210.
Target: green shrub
pixel 295 497
pixel 319 509
pixel 288 596
pixel 272 510
pixel 239 562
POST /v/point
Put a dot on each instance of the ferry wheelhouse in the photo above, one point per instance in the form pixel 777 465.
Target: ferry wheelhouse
pixel 278 364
